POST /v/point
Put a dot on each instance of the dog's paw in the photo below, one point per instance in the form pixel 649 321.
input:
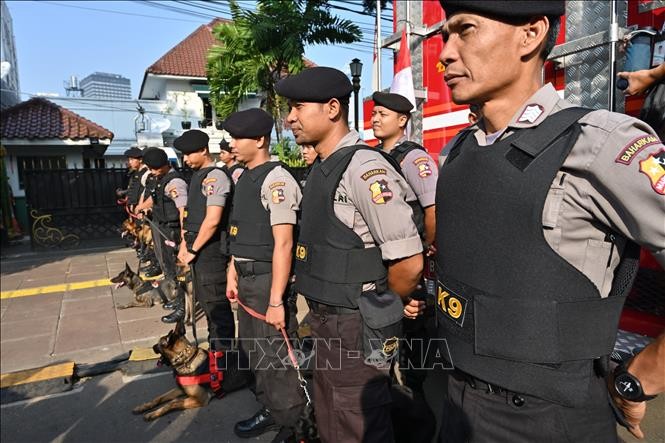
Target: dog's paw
pixel 140 409
pixel 150 416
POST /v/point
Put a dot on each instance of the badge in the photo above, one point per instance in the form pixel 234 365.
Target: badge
pixel 530 113
pixel 301 252
pixel 173 192
pixel 450 304
pixel 372 172
pixel 654 168
pixel 629 152
pixel 210 189
pixel 233 230
pixel 276 185
pixel 277 195
pixel 209 180
pixel 381 193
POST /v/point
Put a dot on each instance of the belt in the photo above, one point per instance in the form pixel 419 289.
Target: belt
pixel 321 308
pixel 246 268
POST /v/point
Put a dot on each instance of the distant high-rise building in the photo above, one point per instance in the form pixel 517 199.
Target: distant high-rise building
pixel 106 86
pixel 9 95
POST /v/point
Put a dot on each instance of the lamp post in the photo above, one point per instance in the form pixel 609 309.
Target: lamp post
pixel 356 70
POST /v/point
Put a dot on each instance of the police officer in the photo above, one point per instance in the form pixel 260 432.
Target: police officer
pixel 358 256
pixel 229 163
pixel 204 246
pixel 538 213
pixel 261 234
pixel 169 198
pixel 136 172
pixel 390 118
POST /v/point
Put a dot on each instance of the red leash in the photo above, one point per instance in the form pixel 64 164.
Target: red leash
pixel 294 361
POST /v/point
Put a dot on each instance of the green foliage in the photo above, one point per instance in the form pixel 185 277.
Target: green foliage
pixel 259 47
pixel 288 153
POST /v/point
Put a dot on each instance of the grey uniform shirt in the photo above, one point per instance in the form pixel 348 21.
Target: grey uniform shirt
pixel 613 181
pixel 281 196
pixel 176 190
pixel 216 187
pixel 370 199
pixel 421 174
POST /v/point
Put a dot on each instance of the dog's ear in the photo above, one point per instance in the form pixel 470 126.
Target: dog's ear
pixel 180 328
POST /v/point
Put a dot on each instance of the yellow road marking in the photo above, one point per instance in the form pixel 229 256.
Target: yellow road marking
pixel 39 374
pixel 55 288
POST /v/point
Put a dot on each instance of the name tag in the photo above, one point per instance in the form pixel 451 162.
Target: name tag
pixel 451 304
pixel 233 230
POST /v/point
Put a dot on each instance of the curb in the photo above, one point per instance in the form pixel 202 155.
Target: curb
pixel 30 383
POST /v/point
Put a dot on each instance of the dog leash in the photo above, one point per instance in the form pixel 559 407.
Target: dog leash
pixel 292 357
pixel 167 241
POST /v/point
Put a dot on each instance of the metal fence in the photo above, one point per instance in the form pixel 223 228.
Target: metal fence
pixel 68 206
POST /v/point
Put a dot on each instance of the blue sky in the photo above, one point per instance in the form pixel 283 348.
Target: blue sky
pixel 56 39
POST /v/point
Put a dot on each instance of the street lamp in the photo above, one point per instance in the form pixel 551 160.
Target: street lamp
pixel 356 70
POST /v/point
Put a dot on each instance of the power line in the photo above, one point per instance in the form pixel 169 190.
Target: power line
pixel 116 12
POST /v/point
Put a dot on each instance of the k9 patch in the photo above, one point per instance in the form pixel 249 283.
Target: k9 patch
pixel 451 304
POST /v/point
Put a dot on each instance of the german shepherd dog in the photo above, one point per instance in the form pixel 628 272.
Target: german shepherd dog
pixel 145 294
pixel 186 359
pixel 140 234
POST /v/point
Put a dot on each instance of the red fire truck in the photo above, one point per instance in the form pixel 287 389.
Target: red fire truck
pixel 583 69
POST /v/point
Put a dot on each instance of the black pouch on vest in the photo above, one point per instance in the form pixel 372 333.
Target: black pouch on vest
pixel 382 326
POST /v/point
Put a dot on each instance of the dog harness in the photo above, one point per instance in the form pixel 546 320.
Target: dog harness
pixel 213 377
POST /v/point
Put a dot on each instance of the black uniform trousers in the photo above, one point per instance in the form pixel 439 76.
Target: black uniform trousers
pixel 166 255
pixel 209 272
pixel 277 386
pixel 474 414
pixel 352 400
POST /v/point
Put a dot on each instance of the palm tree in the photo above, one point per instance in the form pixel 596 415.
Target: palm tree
pixel 259 47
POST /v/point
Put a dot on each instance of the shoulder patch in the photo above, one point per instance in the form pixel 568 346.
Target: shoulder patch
pixel 381 193
pixel 636 146
pixel 276 185
pixel 173 192
pixel 209 180
pixel 372 172
pixel 654 168
pixel 277 195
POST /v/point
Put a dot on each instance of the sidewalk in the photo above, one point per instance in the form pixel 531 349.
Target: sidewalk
pixel 77 322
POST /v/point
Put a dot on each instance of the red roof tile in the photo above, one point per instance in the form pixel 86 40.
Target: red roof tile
pixel 39 118
pixel 189 57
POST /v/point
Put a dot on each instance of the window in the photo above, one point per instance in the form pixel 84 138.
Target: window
pixel 38 163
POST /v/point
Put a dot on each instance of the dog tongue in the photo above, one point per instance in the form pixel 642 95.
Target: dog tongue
pixel 119 285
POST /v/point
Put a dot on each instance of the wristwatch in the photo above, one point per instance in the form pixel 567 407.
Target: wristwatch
pixel 192 251
pixel 628 386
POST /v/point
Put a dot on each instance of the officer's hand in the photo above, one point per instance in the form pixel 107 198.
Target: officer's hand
pixel 413 308
pixel 632 412
pixel 638 81
pixel 185 257
pixel 275 317
pixel 232 290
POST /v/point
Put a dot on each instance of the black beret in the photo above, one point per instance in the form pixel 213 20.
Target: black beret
pixel 191 141
pixel 155 158
pixel 505 8
pixel 394 102
pixel 134 152
pixel 318 85
pixel 251 123
pixel 224 145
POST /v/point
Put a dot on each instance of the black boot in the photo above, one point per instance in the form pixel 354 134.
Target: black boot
pixel 260 423
pixel 178 314
pixel 177 301
pixel 153 272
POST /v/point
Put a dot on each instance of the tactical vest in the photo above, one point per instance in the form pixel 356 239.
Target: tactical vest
pixel 332 262
pixel 398 153
pixel 163 207
pixel 250 232
pixel 197 206
pixel 513 312
pixel 134 188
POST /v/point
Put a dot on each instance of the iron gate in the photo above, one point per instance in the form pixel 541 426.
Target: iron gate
pixel 69 206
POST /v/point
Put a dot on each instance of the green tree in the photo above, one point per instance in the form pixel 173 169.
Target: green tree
pixel 259 47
